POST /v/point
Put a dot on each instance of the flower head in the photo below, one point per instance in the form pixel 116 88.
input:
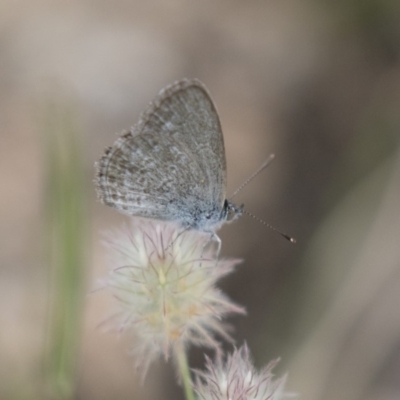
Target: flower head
pixel 236 379
pixel 165 286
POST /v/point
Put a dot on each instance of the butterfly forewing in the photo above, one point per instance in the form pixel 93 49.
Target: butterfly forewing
pixel 172 165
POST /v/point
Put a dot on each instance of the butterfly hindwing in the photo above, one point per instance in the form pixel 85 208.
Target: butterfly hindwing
pixel 171 166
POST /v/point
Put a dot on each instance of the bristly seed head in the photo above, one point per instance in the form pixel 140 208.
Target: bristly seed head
pixel 236 379
pixel 165 286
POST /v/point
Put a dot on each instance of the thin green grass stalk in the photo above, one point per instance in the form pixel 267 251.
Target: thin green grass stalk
pixel 66 221
pixel 185 374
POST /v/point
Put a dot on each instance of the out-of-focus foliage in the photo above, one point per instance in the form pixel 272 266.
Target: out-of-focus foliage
pixel 65 212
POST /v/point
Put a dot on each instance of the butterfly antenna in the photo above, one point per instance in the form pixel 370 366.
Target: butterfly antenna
pixel 263 166
pixel 287 237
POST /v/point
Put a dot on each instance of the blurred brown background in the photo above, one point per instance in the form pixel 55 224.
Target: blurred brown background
pixel 315 82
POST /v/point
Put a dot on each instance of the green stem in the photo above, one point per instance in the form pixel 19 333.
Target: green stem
pixel 185 374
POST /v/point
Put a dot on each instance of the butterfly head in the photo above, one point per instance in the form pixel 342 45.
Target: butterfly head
pixel 230 211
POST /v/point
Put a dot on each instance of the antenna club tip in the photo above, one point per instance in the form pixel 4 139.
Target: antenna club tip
pixel 287 237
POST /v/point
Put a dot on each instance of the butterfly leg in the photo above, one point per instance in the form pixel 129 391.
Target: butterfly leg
pixel 213 236
pixel 219 242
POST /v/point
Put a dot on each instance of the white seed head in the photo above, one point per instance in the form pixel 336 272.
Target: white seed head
pixel 235 378
pixel 164 283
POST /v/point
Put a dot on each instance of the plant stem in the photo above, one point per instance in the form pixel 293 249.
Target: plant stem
pixel 185 373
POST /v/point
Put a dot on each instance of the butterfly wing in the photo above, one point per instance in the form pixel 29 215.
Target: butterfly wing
pixel 172 165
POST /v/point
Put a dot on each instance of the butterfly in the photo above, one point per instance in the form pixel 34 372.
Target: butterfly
pixel 171 165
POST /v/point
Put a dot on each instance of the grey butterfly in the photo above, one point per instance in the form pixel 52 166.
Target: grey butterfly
pixel 171 166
